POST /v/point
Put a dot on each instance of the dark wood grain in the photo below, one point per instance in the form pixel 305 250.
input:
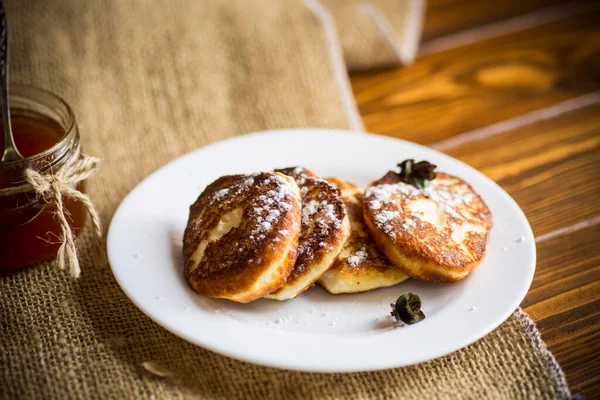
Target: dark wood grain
pixel 470 87
pixel 445 17
pixel 564 299
pixel 550 168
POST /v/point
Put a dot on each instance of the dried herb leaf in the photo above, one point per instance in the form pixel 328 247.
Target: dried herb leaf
pixel 417 174
pixel 407 309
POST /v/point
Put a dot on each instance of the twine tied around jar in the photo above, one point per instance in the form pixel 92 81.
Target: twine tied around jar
pixel 53 186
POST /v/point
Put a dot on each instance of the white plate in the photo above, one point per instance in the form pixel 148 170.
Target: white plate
pixel 316 331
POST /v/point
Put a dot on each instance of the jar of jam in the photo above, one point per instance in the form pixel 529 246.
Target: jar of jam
pixel 46 134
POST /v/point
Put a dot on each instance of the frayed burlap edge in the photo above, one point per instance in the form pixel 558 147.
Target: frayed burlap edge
pixel 546 357
pixel 334 50
pixel 406 48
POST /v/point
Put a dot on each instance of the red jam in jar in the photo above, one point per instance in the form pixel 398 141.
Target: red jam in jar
pixel 45 133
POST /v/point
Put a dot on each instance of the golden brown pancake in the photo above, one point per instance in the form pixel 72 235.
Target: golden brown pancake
pixel 360 265
pixel 325 228
pixel 242 234
pixel 435 234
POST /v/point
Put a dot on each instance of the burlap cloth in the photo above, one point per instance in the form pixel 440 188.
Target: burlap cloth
pixel 149 81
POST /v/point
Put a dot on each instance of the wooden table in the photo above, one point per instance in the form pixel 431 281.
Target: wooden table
pixel 513 89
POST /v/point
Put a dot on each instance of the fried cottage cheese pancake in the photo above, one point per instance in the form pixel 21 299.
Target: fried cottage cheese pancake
pixel 435 234
pixel 360 266
pixel 242 234
pixel 325 228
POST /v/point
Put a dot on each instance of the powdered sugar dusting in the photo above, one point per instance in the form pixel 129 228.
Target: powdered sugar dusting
pixel 321 212
pixel 449 200
pixel 408 223
pixel 448 197
pixel 385 216
pixel 468 198
pixel 384 192
pixel 383 219
pixel 272 215
pixel 221 193
pixel 235 189
pixel 270 206
pixel 308 210
pixel 357 258
pixel 265 225
pixel 329 216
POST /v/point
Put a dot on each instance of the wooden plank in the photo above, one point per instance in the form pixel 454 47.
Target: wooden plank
pixel 579 262
pixel 470 87
pixel 445 17
pixel 564 300
pixel 550 168
pixel 573 338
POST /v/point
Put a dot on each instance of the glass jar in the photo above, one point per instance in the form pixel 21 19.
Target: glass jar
pixel 46 134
